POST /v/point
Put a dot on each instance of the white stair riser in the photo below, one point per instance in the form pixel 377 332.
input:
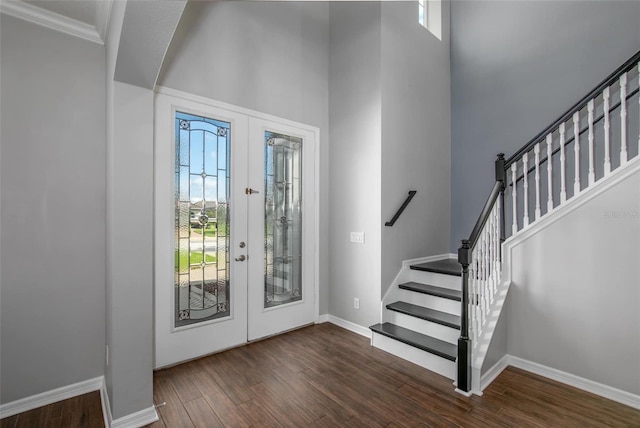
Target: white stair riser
pixel 439 279
pixel 429 328
pixel 429 301
pixel 417 356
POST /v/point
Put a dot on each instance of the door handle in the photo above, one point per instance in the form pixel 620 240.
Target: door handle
pixel 241 258
pixel 250 191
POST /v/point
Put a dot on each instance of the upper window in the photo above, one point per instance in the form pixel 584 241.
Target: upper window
pixel 430 16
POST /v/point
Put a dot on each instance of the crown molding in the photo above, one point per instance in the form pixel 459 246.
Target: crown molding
pixel 52 20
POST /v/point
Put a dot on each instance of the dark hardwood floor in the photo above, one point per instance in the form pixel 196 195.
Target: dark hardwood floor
pixel 325 376
pixel 82 411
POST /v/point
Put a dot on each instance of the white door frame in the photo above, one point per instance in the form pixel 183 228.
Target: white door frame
pixel 163 220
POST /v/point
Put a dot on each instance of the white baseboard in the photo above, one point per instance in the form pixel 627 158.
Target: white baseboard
pixel 322 319
pixel 493 373
pixel 106 406
pixel 347 325
pixel 49 397
pixel 138 419
pixel 623 397
pixel 407 263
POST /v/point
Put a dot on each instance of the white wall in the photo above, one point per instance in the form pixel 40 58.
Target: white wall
pixel 355 160
pixel 573 304
pixel 515 67
pixel 52 312
pixel 416 136
pixel 270 57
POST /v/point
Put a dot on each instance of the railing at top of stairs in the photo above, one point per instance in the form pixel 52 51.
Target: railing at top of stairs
pixel 578 144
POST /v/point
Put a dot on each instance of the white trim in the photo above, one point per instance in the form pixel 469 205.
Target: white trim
pixel 600 186
pixel 493 373
pixel 103 14
pixel 347 325
pixel 52 20
pixel 106 406
pixel 138 419
pixel 49 397
pixel 161 90
pixel 624 397
pixel 322 319
pixel 407 263
pixel 465 393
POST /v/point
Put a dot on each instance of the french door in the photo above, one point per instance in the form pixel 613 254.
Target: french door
pixel 234 227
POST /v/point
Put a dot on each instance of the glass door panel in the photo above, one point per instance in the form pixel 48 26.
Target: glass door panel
pixel 201 283
pixel 281 227
pixel 283 219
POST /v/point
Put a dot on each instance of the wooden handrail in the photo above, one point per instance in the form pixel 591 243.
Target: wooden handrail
pixel 393 220
pixel 627 66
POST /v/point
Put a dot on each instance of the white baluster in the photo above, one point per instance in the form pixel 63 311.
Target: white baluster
pixel 563 169
pixel 592 172
pixel 496 249
pixel 473 300
pixel 485 273
pixel 549 173
pixel 607 126
pixel 623 119
pixel 514 176
pixel 576 149
pixel 525 186
pixel 536 150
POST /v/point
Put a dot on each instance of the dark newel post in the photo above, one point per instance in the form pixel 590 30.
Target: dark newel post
pixel 501 175
pixel 464 344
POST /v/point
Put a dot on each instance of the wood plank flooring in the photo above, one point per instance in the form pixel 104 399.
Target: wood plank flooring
pixel 325 376
pixel 81 411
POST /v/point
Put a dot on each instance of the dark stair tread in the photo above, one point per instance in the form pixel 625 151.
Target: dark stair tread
pixel 433 290
pixel 446 266
pixel 417 340
pixel 443 318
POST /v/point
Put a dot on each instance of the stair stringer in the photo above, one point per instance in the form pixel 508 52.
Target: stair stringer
pixel 481 348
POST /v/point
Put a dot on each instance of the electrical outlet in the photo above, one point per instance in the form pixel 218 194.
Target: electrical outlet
pixel 357 237
pixel 356 303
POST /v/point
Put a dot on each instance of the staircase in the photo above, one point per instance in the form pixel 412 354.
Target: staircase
pixel 421 322
pixel 441 313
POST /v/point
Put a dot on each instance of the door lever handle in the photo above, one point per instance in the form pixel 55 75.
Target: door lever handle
pixel 241 258
pixel 250 191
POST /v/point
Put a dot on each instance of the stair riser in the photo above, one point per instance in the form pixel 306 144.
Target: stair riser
pixel 429 301
pixel 417 356
pixel 431 278
pixel 429 328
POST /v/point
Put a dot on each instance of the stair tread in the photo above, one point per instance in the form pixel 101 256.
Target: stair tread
pixel 418 340
pixel 446 266
pixel 433 290
pixel 428 314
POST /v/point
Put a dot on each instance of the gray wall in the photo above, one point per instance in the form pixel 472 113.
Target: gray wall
pixel 270 57
pixel 415 136
pixel 130 249
pixel 52 312
pixel 516 67
pixel 581 315
pixel 355 159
